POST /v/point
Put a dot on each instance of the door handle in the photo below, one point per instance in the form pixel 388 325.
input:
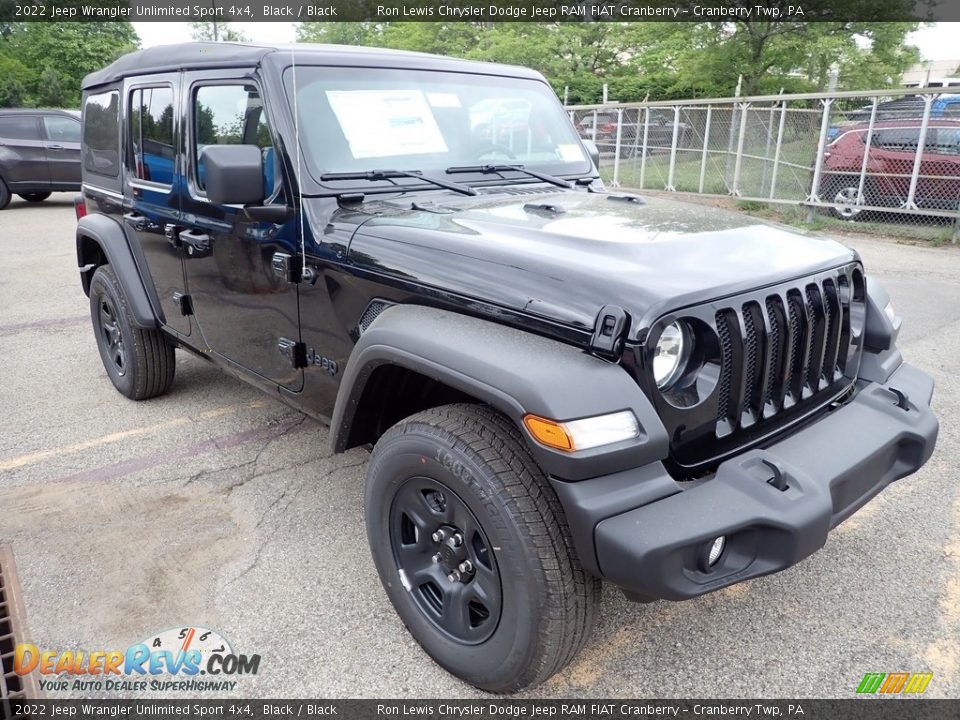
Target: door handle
pixel 196 243
pixel 138 221
pixel 54 147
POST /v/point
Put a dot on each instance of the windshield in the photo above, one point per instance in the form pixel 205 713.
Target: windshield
pixel 362 119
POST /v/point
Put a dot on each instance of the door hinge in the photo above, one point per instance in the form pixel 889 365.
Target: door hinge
pixel 295 352
pixel 609 332
pixel 184 302
pixel 287 270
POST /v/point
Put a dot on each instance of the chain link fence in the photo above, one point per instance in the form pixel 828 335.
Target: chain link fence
pixel 887 159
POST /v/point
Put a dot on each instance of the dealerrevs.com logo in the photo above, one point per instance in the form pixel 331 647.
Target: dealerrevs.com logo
pixel 171 660
pixel 894 683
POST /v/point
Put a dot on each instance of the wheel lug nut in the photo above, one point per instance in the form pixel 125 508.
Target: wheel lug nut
pixel 439 535
pixel 465 567
pixel 454 576
pixel 436 558
pixel 455 540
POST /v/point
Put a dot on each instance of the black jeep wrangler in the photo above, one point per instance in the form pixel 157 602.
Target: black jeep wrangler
pixel 561 385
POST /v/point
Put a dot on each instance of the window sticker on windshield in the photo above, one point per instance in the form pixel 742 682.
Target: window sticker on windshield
pixel 384 123
pixel 570 152
pixel 440 100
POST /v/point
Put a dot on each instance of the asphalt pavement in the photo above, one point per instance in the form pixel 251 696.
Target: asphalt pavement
pixel 217 506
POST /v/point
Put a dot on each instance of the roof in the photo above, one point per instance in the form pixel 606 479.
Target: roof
pixel 39 111
pixel 206 55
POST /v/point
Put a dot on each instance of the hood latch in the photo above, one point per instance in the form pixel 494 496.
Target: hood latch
pixel 609 332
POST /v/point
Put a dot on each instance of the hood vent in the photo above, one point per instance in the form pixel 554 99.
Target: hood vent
pixel 513 190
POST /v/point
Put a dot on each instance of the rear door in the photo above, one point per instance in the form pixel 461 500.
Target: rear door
pixel 62 148
pixel 151 205
pixel 245 311
pixel 23 160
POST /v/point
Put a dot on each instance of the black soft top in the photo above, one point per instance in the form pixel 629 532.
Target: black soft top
pixel 207 55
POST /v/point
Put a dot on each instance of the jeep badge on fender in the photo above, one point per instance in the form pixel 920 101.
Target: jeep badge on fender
pixel 560 385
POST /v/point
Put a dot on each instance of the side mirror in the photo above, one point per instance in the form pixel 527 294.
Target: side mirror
pixel 593 151
pixel 232 174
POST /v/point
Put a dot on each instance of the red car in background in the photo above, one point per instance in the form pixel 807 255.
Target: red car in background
pixel 889 167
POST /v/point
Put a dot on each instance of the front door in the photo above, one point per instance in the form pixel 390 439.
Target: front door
pixel 62 135
pixel 244 310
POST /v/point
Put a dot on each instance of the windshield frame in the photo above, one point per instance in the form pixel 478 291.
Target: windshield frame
pixel 311 175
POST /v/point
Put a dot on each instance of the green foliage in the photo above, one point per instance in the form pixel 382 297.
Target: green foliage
pixel 43 64
pixel 660 60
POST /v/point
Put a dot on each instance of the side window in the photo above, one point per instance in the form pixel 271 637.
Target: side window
pixel 948 141
pixel 151 151
pixel 19 127
pixel 897 138
pixel 101 134
pixel 61 129
pixel 233 115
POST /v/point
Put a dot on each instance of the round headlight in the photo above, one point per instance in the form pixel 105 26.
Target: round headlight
pixel 670 355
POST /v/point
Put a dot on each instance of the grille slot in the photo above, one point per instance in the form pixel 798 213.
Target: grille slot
pixel 780 349
pixel 12 632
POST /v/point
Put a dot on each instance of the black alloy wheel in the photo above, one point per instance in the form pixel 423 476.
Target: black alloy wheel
pixel 112 336
pixel 445 556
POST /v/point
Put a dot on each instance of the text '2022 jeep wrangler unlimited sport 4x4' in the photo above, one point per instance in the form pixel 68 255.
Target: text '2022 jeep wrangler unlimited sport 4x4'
pixel 561 385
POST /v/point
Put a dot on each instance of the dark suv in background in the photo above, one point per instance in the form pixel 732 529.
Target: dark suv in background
pixel 39 153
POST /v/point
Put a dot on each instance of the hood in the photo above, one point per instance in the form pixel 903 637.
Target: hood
pixel 563 255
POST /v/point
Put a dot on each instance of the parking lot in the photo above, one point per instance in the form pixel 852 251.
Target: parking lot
pixel 217 506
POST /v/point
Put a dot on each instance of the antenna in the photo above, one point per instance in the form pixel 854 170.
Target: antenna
pixel 296 150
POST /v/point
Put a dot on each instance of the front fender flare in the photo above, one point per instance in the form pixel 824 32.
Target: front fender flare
pixel 112 241
pixel 515 372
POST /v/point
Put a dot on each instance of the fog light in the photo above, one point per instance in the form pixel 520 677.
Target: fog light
pixel 710 553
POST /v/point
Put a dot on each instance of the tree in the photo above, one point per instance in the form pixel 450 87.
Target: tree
pixel 661 60
pixel 214 31
pixel 49 60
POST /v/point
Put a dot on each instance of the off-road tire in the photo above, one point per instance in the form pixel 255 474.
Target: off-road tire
pixel 35 197
pixel 549 603
pixel 148 360
pixel 4 195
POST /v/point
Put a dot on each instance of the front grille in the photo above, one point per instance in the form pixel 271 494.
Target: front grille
pixel 771 374
pixel 781 353
pixel 12 632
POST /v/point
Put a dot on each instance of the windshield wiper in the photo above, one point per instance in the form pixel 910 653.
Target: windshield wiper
pixel 391 174
pixel 487 169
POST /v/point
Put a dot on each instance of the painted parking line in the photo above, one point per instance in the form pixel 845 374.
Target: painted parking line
pixel 36 457
pixel 223 442
pixel 49 322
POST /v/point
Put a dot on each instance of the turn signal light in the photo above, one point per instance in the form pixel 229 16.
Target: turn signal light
pixel 549 433
pixel 585 433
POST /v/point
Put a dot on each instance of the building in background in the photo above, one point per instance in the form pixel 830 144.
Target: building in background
pixel 933 73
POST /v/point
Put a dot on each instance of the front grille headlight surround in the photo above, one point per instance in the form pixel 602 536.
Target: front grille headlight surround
pixel 688 352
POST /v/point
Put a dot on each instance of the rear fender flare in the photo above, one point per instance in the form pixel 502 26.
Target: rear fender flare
pixel 107 235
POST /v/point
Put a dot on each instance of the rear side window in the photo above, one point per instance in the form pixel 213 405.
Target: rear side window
pixel 101 134
pixel 897 138
pixel 61 129
pixel 152 153
pixel 19 127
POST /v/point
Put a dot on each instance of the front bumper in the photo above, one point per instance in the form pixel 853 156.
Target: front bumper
pixel 831 468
